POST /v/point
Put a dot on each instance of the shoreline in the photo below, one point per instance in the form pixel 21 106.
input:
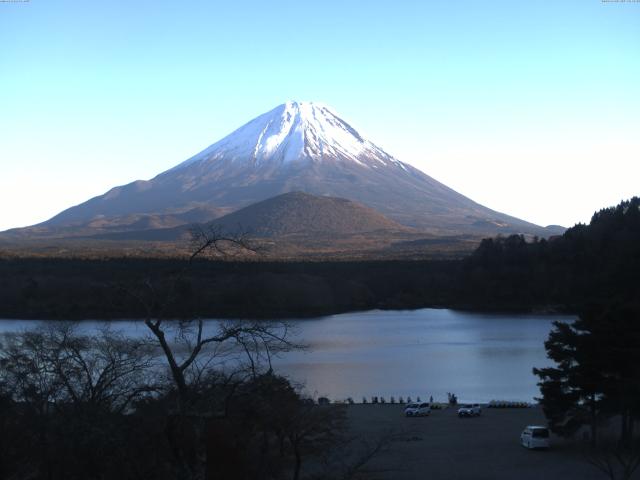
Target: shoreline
pixel 306 315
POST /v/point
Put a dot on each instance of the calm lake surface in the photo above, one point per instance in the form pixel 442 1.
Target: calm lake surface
pixel 479 357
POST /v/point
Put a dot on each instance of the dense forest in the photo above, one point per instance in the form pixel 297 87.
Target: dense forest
pixel 589 263
pixel 76 289
pixel 595 263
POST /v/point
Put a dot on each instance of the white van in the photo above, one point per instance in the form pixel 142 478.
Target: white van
pixel 417 410
pixel 535 436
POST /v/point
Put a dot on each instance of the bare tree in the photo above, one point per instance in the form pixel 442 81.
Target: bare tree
pixel 191 339
pixel 55 365
pixel 27 372
pixel 67 393
pixel 198 352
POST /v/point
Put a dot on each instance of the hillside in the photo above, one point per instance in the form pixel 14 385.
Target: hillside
pixel 299 213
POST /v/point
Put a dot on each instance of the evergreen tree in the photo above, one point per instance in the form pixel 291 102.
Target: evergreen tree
pixel 596 375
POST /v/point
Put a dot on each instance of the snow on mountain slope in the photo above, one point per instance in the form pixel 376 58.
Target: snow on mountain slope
pixel 292 132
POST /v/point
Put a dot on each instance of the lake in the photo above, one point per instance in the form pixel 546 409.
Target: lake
pixel 477 356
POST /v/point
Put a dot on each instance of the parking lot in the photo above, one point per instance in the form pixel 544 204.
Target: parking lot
pixel 443 446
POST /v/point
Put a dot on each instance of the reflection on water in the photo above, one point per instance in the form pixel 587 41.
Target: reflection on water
pixel 415 352
pixel 421 352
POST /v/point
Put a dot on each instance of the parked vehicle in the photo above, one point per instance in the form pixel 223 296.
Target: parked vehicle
pixel 535 436
pixel 417 410
pixel 470 410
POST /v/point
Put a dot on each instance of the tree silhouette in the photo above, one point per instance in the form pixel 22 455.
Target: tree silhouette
pixel 596 375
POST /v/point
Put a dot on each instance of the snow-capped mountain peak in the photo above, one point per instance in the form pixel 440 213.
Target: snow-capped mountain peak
pixel 293 132
pixel 297 146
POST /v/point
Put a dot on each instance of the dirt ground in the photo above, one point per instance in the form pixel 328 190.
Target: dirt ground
pixel 443 446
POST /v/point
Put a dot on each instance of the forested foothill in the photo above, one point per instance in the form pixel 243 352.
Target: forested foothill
pixel 588 263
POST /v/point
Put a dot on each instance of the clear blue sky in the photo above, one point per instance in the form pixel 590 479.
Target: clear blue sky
pixel 529 107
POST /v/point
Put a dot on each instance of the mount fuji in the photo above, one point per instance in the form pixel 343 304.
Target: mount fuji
pixel 297 146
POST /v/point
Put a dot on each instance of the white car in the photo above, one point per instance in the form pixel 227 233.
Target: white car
pixel 417 410
pixel 535 436
pixel 470 410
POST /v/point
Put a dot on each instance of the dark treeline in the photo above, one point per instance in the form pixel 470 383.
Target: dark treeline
pixel 80 288
pixel 595 263
pixel 588 263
